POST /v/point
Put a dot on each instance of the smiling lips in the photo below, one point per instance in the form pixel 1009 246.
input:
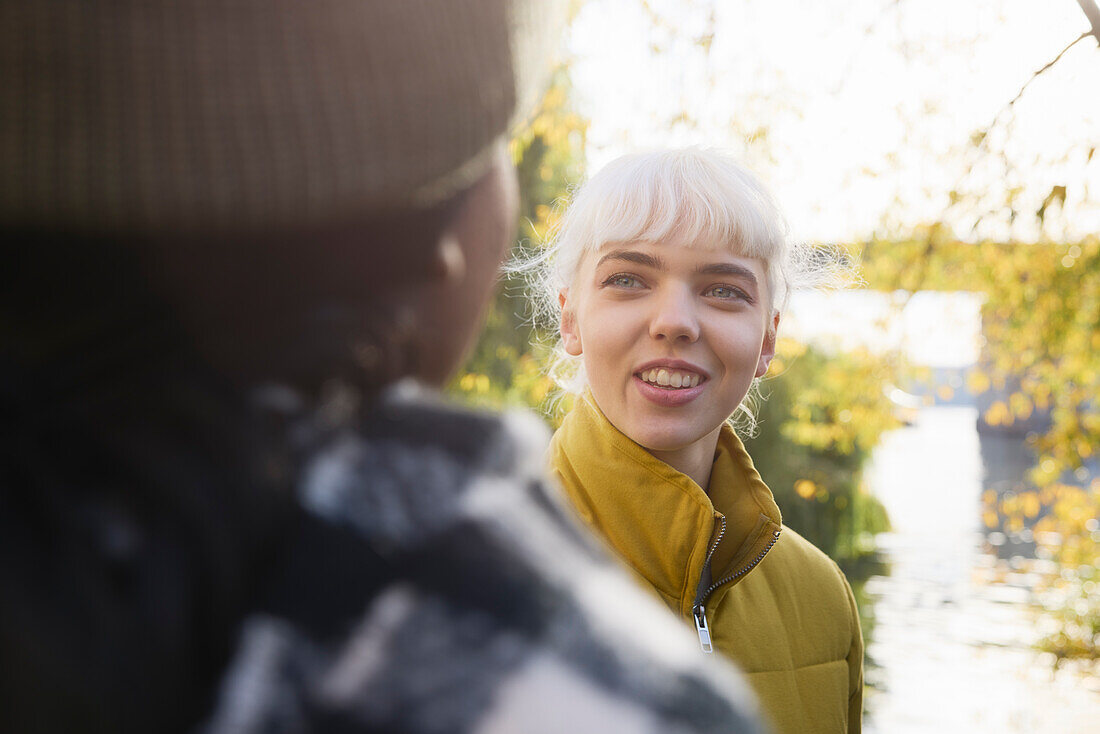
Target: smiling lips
pixel 671 379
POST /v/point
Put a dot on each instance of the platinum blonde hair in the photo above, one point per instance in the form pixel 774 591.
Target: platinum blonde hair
pixel 697 197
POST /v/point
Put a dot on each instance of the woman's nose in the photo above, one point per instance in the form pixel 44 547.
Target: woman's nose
pixel 674 316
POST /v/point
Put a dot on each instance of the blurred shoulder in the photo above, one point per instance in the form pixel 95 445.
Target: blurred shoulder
pixel 475 603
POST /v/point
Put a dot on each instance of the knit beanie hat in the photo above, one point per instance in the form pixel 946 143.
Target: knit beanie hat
pixel 142 117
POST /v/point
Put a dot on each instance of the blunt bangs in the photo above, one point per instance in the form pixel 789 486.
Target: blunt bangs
pixel 687 197
pixel 692 197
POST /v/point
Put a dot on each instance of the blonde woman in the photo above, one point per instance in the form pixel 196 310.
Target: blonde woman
pixel 669 274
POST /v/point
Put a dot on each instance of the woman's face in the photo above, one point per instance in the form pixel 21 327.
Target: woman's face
pixel 671 337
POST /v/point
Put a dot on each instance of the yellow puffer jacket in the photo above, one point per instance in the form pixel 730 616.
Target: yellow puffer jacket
pixel 770 600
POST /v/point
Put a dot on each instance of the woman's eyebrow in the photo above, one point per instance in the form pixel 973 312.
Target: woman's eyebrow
pixel 728 269
pixel 633 256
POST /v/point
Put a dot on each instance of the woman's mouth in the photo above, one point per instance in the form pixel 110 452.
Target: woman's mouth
pixel 670 379
pixel 670 387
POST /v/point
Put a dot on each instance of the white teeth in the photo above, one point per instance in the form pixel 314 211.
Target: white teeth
pixel 670 378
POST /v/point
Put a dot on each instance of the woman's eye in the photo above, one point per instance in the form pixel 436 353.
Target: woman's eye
pixel 623 281
pixel 725 292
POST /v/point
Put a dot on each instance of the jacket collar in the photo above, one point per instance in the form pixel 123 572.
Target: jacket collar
pixel 656 518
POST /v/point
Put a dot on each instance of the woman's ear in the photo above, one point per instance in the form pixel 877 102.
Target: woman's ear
pixel 767 350
pixel 570 335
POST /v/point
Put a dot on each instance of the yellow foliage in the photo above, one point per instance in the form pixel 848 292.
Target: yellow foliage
pixel 1041 322
pixel 1021 405
pixel 977 381
pixel 1029 504
pixel 998 415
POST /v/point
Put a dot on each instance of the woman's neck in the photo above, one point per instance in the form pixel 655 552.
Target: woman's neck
pixel 695 460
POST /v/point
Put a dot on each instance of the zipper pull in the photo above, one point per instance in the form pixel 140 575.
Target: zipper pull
pixel 701 627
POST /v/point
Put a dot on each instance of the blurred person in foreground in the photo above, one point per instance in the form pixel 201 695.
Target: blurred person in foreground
pixel 233 230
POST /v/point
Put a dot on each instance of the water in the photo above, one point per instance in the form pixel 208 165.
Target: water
pixel 952 648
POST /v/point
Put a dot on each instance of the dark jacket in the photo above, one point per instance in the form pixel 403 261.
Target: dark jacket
pixel 417 578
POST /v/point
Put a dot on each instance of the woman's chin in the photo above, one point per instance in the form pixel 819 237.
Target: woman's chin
pixel 656 439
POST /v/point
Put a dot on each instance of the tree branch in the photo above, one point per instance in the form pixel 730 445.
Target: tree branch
pixel 1093 14
pixel 1036 75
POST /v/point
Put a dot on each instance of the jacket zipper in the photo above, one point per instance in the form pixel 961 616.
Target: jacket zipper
pixel 699 612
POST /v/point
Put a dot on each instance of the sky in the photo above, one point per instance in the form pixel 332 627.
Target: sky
pixel 856 113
